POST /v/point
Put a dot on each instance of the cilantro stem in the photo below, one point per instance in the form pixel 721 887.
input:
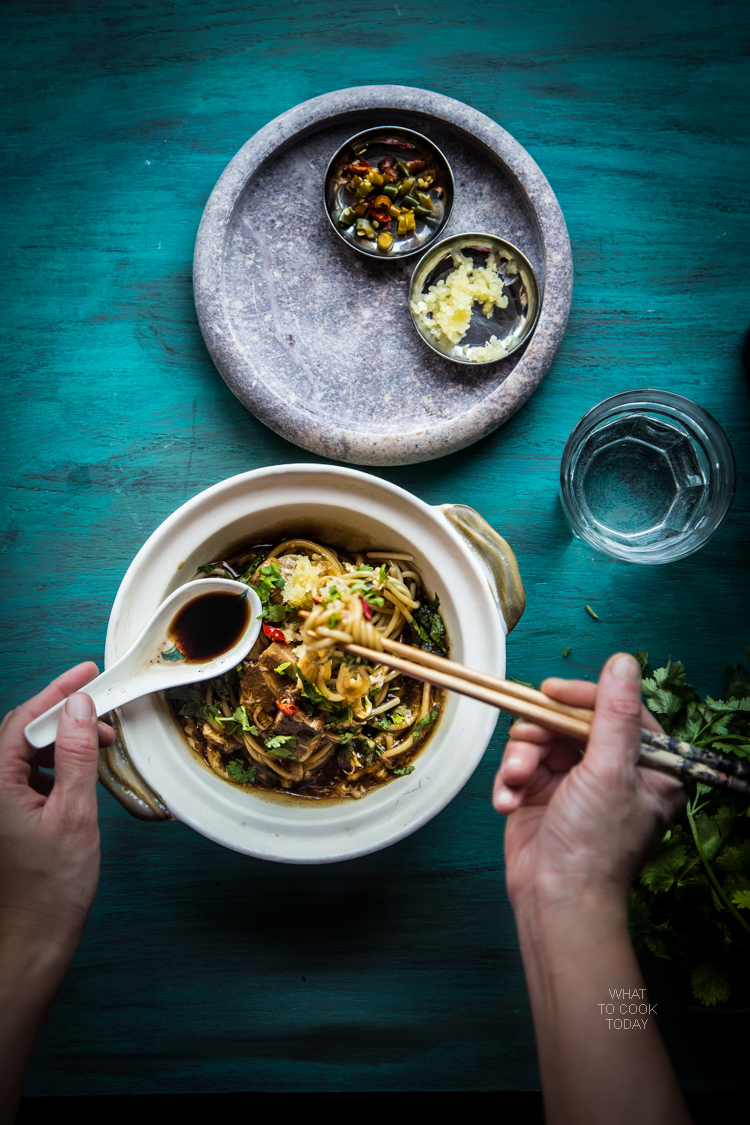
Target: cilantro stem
pixel 709 871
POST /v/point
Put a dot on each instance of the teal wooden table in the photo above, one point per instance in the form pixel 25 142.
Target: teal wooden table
pixel 202 970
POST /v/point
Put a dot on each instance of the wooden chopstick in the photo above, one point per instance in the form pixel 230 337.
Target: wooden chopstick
pixel 465 682
pixel 507 687
pixel 658 751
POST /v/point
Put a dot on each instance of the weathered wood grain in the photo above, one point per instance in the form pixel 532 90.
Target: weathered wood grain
pixel 202 970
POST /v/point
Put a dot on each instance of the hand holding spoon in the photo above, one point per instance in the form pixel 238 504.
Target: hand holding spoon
pixel 200 631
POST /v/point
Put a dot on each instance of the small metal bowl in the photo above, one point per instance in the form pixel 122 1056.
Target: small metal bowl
pixel 372 145
pixel 511 326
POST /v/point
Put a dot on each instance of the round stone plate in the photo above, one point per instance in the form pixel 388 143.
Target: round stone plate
pixel 316 340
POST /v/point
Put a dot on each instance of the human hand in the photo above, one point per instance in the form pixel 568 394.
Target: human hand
pixel 49 836
pixel 583 824
pixel 49 864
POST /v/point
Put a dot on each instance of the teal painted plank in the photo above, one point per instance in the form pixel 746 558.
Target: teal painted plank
pixel 118 121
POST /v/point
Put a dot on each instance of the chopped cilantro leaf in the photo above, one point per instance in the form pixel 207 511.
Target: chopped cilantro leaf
pixel 281 741
pixel 423 724
pixel 267 581
pixel 238 721
pixel 281 746
pixel 238 772
pixel 276 613
pixel 365 591
pixel 403 772
pixel 193 703
pixel 394 718
pixel 250 569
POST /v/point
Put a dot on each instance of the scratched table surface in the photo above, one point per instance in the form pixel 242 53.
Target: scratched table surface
pixel 202 970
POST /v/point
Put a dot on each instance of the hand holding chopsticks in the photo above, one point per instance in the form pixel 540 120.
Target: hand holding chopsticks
pixel 658 751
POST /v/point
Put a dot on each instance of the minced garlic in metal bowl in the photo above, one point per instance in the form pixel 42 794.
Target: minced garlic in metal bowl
pixel 444 311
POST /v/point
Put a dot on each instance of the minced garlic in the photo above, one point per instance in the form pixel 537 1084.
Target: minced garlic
pixel 300 583
pixel 444 311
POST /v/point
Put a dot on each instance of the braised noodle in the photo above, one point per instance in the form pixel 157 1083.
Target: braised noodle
pixel 300 714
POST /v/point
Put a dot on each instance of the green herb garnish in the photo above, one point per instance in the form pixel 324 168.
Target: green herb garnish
pixel 251 569
pixel 238 721
pixel 238 772
pixel 267 582
pixel 394 718
pixel 194 703
pixel 428 625
pixel 403 772
pixel 423 724
pixel 366 591
pixel 281 746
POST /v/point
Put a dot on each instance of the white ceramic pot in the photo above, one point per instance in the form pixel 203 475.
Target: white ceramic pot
pixel 150 769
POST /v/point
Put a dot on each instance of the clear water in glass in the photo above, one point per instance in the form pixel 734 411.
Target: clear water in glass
pixel 640 480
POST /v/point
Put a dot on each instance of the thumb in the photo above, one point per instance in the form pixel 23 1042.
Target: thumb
pixel 616 727
pixel 76 755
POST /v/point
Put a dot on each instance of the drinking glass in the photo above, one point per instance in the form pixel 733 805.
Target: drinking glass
pixel 647 476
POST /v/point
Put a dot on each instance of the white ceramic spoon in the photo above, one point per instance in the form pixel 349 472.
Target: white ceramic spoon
pixel 154 663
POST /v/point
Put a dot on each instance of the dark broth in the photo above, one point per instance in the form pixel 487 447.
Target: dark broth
pixel 209 625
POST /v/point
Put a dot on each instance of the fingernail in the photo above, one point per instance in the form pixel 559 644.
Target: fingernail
pixel 513 764
pixel 503 798
pixel 626 667
pixel 79 706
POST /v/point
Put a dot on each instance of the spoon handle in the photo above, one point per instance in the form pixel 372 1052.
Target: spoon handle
pixel 106 693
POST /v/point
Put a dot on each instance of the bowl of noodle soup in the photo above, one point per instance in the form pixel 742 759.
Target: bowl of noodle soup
pixel 303 754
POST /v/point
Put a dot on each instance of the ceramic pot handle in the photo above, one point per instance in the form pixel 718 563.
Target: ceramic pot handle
pixel 119 777
pixel 495 557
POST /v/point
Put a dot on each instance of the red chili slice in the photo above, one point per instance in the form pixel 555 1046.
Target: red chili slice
pixel 379 214
pixel 274 634
pixel 286 706
pixel 366 609
pixel 358 168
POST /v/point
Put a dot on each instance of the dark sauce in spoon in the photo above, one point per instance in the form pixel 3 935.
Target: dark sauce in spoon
pixel 209 625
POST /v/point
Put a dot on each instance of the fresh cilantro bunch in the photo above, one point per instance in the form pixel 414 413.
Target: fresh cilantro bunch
pixel 692 900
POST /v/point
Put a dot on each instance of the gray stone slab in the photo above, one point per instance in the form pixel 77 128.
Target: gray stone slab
pixel 318 341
